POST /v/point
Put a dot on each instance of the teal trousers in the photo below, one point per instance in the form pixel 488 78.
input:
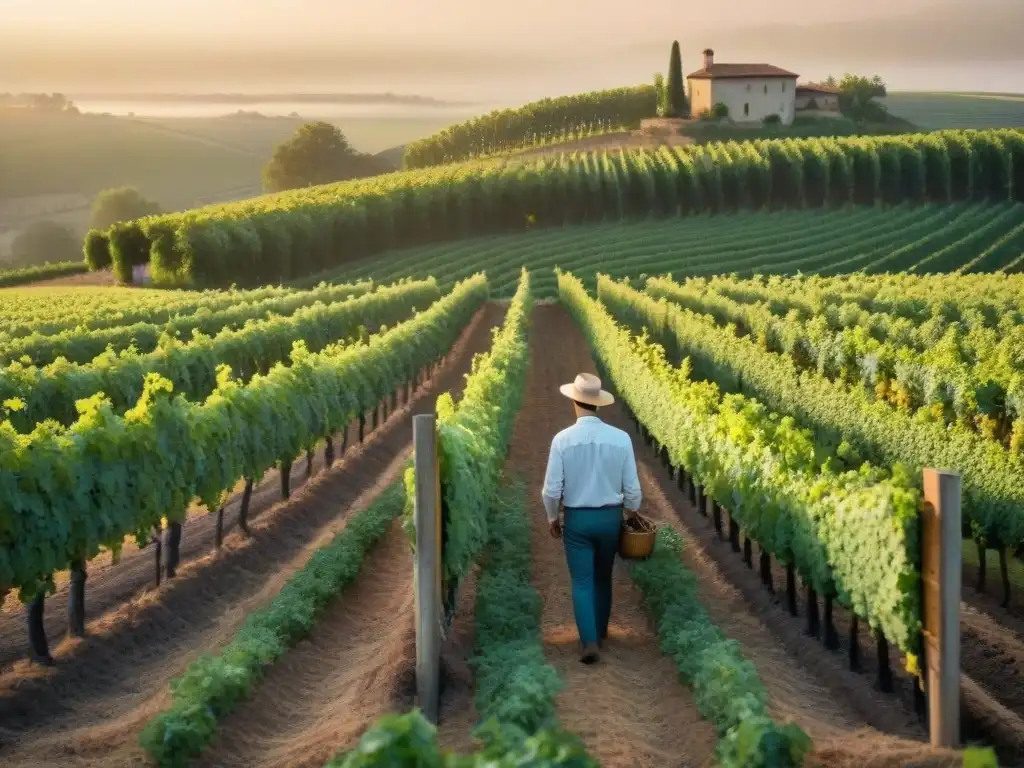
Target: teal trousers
pixel 591 538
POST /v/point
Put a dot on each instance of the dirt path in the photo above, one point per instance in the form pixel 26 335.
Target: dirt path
pixel 630 709
pixel 89 708
pixel 359 663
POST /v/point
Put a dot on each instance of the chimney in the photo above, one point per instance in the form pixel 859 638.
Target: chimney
pixel 709 58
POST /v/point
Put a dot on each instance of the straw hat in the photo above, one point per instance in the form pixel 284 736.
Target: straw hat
pixel 587 389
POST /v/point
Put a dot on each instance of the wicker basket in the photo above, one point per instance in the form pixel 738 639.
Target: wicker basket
pixel 636 538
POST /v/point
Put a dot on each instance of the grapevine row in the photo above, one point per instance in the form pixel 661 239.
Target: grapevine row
pixel 541 122
pixel 857 425
pixel 25 312
pixel 212 686
pixel 945 376
pixel 923 305
pixel 194 368
pixel 278 237
pixel 743 243
pixel 74 490
pixel 22 275
pixel 473 439
pixel 80 345
pixel 851 535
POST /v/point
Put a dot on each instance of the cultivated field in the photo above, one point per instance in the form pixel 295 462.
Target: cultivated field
pixel 296 575
pixel 967 237
pixel 938 111
pixel 206 497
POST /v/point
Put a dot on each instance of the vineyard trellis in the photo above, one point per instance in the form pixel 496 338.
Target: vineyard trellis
pixel 541 122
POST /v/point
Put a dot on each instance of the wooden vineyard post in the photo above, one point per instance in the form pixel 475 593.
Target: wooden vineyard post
pixel 940 576
pixel 427 569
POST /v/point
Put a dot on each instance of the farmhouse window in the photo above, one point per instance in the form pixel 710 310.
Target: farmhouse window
pixel 746 109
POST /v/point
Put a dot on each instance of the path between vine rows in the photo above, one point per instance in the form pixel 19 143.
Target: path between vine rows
pixel 89 709
pixel 630 709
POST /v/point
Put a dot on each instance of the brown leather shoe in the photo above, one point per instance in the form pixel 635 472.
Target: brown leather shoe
pixel 590 654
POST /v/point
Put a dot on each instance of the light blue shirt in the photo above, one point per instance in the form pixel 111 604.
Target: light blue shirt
pixel 591 464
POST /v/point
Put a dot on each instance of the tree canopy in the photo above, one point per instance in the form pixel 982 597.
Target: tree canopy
pixel 45 241
pixel 318 153
pixel 113 206
pixel 675 89
pixel 858 97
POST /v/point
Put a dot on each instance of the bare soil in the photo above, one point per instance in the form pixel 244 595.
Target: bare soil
pixel 89 709
pixel 359 663
pixel 629 709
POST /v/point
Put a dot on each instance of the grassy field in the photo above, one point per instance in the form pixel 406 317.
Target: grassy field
pixel 935 111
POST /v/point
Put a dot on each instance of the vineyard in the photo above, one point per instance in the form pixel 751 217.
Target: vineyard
pixel 208 498
pixel 294 234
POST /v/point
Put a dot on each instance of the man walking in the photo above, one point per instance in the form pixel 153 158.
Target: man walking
pixel 592 470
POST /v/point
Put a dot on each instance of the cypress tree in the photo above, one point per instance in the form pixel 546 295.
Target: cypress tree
pixel 677 106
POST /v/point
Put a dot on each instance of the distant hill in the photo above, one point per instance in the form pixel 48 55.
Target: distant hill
pixel 393 156
pixel 259 98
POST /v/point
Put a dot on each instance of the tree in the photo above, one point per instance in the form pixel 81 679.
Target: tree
pixel 113 206
pixel 858 97
pixel 659 88
pixel 318 153
pixel 676 89
pixel 45 241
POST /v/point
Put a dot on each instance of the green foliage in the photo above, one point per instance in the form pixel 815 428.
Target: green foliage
pixel 96 250
pixel 858 97
pixel 720 111
pixel 953 366
pixel 82 344
pixel 318 153
pixel 212 686
pixel 659 89
pixel 23 275
pixel 192 366
pixel 473 440
pixel 727 689
pixel 113 206
pixel 811 241
pixel 980 757
pixel 281 236
pixel 992 477
pixel 515 686
pixel 675 86
pixel 548 121
pixel 107 476
pixel 409 740
pixel 851 534
pixel 45 243
pixel 24 314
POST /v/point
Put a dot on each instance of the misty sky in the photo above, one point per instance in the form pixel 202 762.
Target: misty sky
pixel 441 22
pixel 501 52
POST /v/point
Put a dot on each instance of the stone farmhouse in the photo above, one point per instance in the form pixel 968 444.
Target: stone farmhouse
pixel 752 92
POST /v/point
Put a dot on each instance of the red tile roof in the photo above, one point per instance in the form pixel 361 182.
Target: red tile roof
pixel 716 71
pixel 816 88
